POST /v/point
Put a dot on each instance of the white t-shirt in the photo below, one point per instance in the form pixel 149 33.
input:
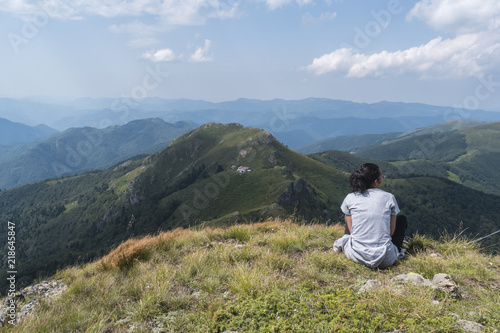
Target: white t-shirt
pixel 370 240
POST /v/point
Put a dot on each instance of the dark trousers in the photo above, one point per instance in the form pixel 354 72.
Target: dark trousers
pixel 399 234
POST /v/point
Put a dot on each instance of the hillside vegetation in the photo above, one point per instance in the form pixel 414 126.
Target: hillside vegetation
pixel 81 149
pixel 468 156
pixel 355 143
pixel 276 276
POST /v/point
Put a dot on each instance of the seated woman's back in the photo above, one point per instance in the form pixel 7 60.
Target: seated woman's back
pixel 371 220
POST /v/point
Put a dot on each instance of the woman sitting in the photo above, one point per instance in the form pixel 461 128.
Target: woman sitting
pixel 374 233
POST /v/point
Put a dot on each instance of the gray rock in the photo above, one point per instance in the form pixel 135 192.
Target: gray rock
pixel 273 158
pixel 47 290
pixel 470 326
pixel 27 308
pixel 370 285
pixel 444 282
pixel 412 278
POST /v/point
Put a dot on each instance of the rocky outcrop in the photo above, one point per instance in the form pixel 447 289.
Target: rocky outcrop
pixel 299 199
pixel 445 283
pixel 135 195
pixel 441 281
pixel 411 278
pixel 470 326
pixel 296 192
pixel 274 158
pixel 369 285
pixel 13 311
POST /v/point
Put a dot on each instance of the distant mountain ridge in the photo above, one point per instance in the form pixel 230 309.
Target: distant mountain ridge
pixel 80 149
pixel 355 143
pixel 12 133
pixel 293 122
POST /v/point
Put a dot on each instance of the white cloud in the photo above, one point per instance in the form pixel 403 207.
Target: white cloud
pixel 465 55
pixel 201 53
pixel 309 20
pixel 473 52
pixel 52 8
pixel 459 16
pixel 162 55
pixel 275 4
pixel 169 12
pixel 166 15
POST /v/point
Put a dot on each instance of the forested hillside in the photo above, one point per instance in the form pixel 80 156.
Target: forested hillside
pixel 356 143
pixel 469 157
pixel 81 149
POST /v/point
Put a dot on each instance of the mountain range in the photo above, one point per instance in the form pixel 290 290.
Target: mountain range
pixel 216 175
pixel 293 122
pixel 13 134
pixel 80 149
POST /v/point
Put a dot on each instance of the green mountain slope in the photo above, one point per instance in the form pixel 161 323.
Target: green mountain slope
pixel 351 143
pixel 362 142
pixel 209 156
pixel 469 156
pixel 349 162
pixel 81 149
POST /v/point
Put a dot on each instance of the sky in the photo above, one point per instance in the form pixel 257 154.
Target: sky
pixel 441 52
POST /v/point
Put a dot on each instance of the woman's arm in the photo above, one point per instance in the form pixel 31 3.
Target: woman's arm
pixel 348 221
pixel 393 223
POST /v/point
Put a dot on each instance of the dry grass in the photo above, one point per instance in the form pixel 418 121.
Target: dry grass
pixel 272 276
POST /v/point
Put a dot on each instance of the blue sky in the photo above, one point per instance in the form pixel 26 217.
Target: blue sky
pixel 441 52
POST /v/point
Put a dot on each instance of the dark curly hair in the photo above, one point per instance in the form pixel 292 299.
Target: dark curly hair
pixel 364 178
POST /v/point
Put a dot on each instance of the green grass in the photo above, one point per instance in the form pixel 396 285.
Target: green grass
pixel 399 163
pixel 121 184
pixel 276 276
pixel 454 177
pixel 68 207
pixel 58 181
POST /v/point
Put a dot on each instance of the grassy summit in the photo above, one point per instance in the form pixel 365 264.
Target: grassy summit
pixel 277 276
